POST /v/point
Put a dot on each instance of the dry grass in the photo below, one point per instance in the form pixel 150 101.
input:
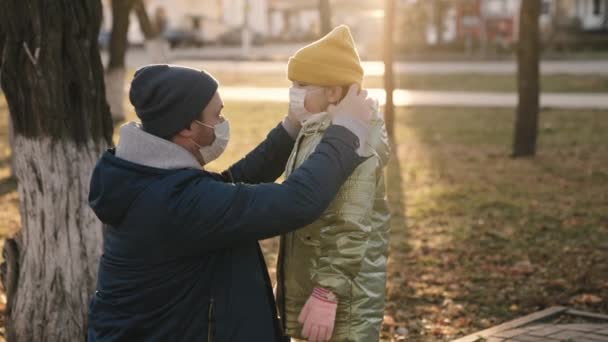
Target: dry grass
pixel 480 238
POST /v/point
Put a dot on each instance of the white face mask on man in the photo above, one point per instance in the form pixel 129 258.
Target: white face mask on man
pixel 222 137
pixel 297 96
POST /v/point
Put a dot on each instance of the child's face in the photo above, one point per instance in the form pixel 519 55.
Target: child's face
pixel 318 98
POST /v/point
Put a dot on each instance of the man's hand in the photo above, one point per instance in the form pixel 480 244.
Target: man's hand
pixel 356 106
pixel 319 315
pixel 354 113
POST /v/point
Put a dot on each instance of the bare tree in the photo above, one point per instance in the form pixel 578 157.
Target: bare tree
pixel 439 9
pixel 605 24
pixel 325 16
pixel 149 30
pixel 246 30
pixel 2 38
pixel 52 77
pixel 115 71
pixel 528 81
pixel 156 47
pixel 389 77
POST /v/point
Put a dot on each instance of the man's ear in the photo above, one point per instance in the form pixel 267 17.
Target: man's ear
pixel 186 132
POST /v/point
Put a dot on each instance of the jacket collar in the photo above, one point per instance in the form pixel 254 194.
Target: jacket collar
pixel 137 146
pixel 378 140
pixel 316 123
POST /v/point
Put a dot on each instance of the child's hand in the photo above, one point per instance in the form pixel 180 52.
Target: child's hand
pixel 318 315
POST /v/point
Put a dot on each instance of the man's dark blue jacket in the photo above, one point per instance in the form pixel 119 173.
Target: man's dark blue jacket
pixel 180 258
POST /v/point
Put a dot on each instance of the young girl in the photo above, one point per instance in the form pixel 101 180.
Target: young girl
pixel 332 273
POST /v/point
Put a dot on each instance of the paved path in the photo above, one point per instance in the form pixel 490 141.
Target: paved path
pixel 215 63
pixel 433 98
pixel 553 333
pixel 376 68
pixel 537 327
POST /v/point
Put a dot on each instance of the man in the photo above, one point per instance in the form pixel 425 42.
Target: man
pixel 181 259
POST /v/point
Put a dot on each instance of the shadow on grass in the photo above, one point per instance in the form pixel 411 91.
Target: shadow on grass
pixel 395 193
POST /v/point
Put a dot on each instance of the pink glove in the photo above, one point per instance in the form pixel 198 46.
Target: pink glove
pixel 319 315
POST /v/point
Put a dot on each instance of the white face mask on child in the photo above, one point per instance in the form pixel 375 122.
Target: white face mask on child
pixel 296 102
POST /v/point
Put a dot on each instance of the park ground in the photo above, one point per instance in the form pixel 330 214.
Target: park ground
pixel 477 237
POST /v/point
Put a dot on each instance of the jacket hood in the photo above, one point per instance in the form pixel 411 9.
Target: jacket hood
pixel 116 184
pixel 121 175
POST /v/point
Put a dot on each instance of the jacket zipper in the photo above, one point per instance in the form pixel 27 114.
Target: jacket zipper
pixel 210 322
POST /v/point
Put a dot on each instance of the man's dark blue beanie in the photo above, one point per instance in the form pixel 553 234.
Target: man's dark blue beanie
pixel 167 98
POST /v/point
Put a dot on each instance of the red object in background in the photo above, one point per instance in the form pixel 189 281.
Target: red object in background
pixel 470 20
pixel 502 28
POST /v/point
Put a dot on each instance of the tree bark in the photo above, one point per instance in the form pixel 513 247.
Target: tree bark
pixel 389 77
pixel 115 72
pixel 528 81
pixel 325 16
pixel 52 77
pixel 2 38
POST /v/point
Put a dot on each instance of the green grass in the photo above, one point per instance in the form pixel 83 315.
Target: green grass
pixel 477 237
pixel 457 82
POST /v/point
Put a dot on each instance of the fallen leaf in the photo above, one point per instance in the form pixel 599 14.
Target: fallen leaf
pixel 389 320
pixel 586 298
pixel 402 331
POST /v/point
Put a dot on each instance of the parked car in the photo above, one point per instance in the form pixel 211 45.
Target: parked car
pixel 234 36
pixel 178 37
pixel 104 39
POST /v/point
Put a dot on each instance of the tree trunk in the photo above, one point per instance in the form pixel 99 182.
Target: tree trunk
pixel 156 47
pixel 246 31
pixel 150 31
pixel 115 72
pixel 325 16
pixel 2 38
pixel 121 10
pixel 528 82
pixel 606 14
pixel 52 77
pixel 438 7
pixel 389 77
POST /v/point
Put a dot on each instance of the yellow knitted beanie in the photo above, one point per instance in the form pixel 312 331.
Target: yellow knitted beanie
pixel 330 61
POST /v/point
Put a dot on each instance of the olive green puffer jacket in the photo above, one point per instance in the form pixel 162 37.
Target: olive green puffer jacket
pixel 345 250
